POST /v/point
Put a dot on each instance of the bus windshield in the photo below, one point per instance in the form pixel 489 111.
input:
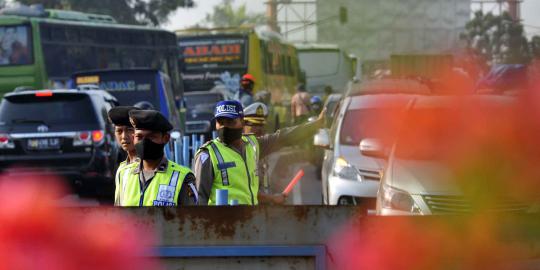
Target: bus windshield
pixel 15 45
pixel 310 62
pixel 213 62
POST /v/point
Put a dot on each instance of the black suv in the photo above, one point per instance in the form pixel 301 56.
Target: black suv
pixel 63 132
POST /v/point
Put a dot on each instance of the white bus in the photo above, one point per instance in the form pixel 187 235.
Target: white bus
pixel 326 65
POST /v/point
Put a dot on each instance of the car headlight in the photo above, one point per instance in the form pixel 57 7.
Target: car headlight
pixel 397 199
pixel 344 170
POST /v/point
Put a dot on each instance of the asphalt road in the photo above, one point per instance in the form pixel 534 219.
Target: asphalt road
pixel 284 165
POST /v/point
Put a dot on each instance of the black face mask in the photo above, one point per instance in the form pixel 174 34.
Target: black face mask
pixel 149 150
pixel 229 135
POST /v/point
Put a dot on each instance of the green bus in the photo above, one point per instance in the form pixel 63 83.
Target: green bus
pixel 41 48
pixel 215 59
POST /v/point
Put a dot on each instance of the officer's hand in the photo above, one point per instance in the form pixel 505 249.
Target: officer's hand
pixel 279 199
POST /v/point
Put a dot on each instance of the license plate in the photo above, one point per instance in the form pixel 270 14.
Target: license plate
pixel 43 144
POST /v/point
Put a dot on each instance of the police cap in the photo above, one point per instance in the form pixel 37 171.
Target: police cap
pixel 149 120
pixel 119 116
pixel 256 113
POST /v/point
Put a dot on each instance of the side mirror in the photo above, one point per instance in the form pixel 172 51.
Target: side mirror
pixel 373 148
pixel 322 139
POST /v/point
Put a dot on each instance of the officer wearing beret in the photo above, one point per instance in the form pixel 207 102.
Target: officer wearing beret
pixel 123 133
pixel 154 180
pixel 230 161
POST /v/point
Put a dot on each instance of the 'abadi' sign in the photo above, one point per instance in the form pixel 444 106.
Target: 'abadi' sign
pixel 213 51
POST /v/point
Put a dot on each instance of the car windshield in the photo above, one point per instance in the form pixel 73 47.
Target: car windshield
pixel 55 110
pixel 15 45
pixel 202 103
pixel 428 133
pixel 366 123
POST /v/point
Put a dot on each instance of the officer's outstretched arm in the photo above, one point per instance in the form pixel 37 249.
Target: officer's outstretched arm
pixel 290 136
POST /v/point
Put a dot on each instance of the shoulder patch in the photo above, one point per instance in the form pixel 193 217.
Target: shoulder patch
pixel 203 157
pixel 207 144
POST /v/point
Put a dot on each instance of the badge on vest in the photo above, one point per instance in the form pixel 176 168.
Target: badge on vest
pixel 162 203
pixel 165 196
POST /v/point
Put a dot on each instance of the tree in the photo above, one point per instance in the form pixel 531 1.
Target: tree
pixel 535 47
pixel 225 15
pixel 497 39
pixel 150 12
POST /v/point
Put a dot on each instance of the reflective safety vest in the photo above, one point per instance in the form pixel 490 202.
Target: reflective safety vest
pixel 120 172
pixel 233 173
pixel 163 189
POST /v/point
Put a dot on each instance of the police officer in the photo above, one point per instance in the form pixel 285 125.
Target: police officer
pixel 123 133
pixel 154 180
pixel 230 161
pixel 255 123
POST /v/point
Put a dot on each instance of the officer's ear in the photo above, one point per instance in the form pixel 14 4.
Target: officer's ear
pixel 166 137
pixel 242 122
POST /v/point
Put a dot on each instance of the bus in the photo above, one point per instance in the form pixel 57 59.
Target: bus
pixel 41 48
pixel 338 70
pixel 215 60
pixel 143 87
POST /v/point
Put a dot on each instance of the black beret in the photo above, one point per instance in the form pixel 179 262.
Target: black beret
pixel 150 120
pixel 119 116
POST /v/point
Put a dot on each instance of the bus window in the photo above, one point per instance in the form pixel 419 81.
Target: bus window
pixel 16 44
pixel 72 35
pixel 310 62
pixel 58 34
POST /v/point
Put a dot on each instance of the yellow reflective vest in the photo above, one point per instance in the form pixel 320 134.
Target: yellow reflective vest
pixel 233 173
pixel 163 189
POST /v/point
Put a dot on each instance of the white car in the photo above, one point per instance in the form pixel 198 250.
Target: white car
pixel 349 176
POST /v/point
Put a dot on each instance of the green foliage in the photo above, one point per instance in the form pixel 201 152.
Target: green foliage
pixel 151 12
pixel 535 47
pixel 225 15
pixel 498 39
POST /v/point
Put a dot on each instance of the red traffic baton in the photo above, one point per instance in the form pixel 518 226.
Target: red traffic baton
pixel 293 182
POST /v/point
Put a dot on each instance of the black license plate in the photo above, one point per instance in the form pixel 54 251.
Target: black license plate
pixel 43 144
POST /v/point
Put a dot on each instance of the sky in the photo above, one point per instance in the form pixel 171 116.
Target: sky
pixel 183 18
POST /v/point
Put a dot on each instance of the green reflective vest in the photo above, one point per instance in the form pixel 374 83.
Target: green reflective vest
pixel 120 172
pixel 163 189
pixel 233 173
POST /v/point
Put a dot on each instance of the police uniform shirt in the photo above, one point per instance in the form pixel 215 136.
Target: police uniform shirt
pixel 203 167
pixel 186 196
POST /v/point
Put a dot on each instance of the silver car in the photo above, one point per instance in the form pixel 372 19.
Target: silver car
pixel 349 176
pixel 416 181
